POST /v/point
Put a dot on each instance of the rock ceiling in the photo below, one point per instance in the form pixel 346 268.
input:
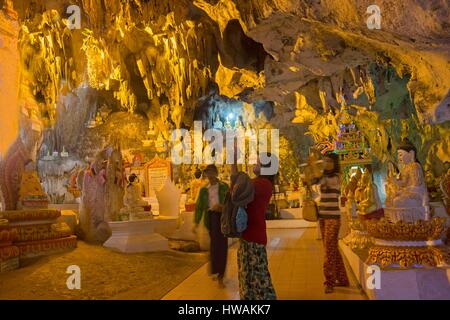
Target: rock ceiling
pixel 159 57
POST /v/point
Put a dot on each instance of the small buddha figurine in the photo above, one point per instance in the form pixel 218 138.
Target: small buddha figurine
pixel 366 196
pixel 160 143
pixel 151 128
pixel 133 195
pixel 218 123
pixel 98 119
pixel 239 124
pixel 228 124
pixel 64 153
pixel 350 188
pixel 390 187
pixel 31 193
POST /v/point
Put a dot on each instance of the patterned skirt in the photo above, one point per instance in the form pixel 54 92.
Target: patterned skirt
pixel 255 282
pixel 333 264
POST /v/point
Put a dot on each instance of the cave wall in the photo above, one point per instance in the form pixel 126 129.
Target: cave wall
pixel 160 59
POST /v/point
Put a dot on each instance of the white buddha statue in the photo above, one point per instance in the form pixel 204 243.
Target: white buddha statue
pixel 408 197
pixel 133 202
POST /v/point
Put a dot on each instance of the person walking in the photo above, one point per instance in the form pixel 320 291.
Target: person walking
pixel 208 210
pixel 255 282
pixel 330 222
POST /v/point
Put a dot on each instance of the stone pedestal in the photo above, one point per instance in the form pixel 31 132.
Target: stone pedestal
pixel 358 240
pixel 291 213
pixel 165 225
pixel 396 284
pixel 70 218
pixel 407 215
pixel 9 254
pixel 39 233
pixel 136 236
pixel 9 258
pixel 30 249
pixel 406 245
pixel 185 227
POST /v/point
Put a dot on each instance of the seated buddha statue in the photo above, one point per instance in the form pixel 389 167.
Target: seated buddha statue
pixel 407 198
pixel 366 197
pixel 31 193
pixel 350 188
pixel 133 202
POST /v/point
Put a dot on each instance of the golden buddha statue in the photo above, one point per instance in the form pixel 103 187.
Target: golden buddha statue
pixel 31 193
pixel 98 119
pixel 228 124
pixel 363 200
pixel 366 196
pixel 350 188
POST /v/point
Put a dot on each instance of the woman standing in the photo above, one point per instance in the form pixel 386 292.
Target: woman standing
pixel 208 210
pixel 330 222
pixel 255 282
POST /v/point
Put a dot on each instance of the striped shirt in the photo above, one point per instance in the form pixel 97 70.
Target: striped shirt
pixel 330 190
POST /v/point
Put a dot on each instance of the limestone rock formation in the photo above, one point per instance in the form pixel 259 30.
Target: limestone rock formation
pixel 167 63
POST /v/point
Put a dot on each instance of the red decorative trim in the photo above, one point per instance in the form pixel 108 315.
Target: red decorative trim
pixel 34 214
pixel 7 236
pixel 7 253
pixel 42 247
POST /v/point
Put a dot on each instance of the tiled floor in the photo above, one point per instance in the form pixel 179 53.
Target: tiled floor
pixel 295 262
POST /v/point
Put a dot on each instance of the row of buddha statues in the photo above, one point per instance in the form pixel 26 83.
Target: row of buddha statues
pixel 404 233
pixel 406 191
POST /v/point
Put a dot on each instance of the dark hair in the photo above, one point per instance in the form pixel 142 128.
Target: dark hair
pixel 336 167
pixel 211 167
pixel 197 174
pixel 132 178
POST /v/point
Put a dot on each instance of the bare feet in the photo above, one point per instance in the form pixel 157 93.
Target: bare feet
pixel 221 282
pixel 342 284
pixel 328 289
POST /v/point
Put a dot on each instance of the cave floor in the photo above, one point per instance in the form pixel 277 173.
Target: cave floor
pixel 295 264
pixel 105 274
